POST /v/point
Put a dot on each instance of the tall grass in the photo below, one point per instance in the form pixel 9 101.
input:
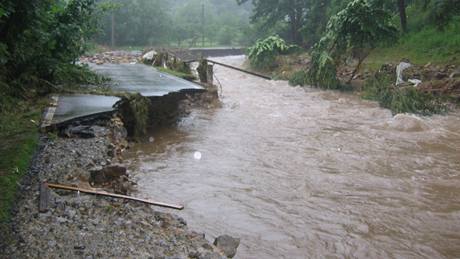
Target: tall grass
pixel 427 45
pixel 19 139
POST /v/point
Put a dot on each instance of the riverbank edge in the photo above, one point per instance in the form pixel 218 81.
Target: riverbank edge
pixel 438 91
pixel 19 137
pixel 26 220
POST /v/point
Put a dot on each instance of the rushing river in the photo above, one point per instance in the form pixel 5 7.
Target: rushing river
pixel 304 173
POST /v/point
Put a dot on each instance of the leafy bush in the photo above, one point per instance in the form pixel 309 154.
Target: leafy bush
pixel 262 54
pixel 323 70
pixel 401 99
pixel 298 78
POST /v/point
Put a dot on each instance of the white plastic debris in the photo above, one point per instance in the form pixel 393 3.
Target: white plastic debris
pixel 399 70
pixel 149 55
pixel 415 82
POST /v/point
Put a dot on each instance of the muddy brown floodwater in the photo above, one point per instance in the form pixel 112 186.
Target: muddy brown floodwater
pixel 303 173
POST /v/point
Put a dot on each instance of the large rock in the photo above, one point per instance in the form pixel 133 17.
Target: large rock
pixel 455 74
pixel 149 56
pixel 85 131
pixel 227 245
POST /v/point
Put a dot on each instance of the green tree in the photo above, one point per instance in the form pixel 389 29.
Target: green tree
pixel 402 14
pixel 272 11
pixel 137 22
pixel 263 53
pixel 178 22
pixel 354 31
pixel 38 38
pixel 442 11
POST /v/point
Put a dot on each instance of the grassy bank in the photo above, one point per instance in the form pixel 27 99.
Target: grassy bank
pixel 428 45
pixel 421 46
pixel 19 138
pixel 182 75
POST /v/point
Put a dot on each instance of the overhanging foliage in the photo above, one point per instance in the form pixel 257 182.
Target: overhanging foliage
pixel 354 31
pixel 263 53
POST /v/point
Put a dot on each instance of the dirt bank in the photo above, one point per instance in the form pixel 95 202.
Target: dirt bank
pixel 89 226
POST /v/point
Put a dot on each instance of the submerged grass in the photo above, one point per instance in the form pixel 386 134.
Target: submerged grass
pixel 402 99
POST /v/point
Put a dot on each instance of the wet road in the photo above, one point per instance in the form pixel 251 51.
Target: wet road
pixel 304 173
pixel 139 78
pixel 132 78
pixel 78 105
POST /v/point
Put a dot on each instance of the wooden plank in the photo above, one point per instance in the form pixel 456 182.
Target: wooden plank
pixel 44 197
pixel 114 195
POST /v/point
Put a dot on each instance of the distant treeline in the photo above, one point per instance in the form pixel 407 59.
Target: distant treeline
pixel 175 23
pixel 304 21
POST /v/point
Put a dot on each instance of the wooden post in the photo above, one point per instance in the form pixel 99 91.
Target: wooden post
pixel 210 74
pixel 44 197
pixel 202 70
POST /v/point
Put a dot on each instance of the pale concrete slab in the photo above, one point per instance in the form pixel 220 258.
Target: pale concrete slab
pixel 79 105
pixel 143 79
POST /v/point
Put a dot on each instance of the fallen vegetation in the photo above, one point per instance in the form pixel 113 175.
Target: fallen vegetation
pixel 402 99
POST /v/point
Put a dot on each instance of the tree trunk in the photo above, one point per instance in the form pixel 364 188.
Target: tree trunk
pixel 112 35
pixel 402 14
pixel 295 29
pixel 361 58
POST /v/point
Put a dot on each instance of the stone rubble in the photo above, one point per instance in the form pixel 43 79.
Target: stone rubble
pixel 78 225
pixel 113 57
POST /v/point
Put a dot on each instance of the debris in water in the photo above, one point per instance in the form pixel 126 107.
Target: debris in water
pixel 415 82
pixel 151 139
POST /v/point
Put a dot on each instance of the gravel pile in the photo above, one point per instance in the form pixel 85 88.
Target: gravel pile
pixel 85 226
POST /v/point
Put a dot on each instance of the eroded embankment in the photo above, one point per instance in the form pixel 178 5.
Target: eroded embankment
pixel 88 153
